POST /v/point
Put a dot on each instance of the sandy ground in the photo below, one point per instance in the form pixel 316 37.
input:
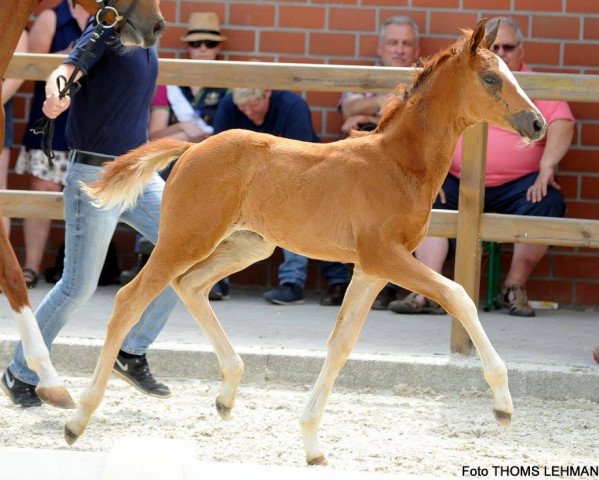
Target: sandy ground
pixel 401 431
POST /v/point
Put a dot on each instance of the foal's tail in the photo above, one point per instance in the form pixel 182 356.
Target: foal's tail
pixel 124 179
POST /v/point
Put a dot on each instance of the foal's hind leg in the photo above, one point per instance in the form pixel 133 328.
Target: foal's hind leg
pixel 399 266
pixel 50 388
pixel 235 253
pixel 164 264
pixel 360 294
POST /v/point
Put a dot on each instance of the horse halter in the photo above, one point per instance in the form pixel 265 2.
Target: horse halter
pixel 105 6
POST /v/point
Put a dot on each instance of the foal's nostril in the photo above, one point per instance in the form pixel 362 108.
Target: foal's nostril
pixel 537 126
pixel 159 27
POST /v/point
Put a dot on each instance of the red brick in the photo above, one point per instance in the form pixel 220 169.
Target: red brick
pixel 445 22
pixel 323 99
pixel 581 54
pixel 591 29
pixel 487 4
pixel 582 6
pixel 569 184
pixel 582 111
pixel 575 266
pixel 590 134
pixel 553 290
pixel 240 40
pixel 172 38
pixel 301 17
pixel 252 15
pixel 542 52
pixel 331 44
pixel 587 293
pixel 169 12
pixel 580 161
pixel 354 19
pixel 590 188
pixel 334 121
pixel 368 45
pixel 431 46
pixel 582 210
pixel 391 3
pixel 555 27
pixel 536 6
pixel 279 42
pixel 316 120
pixel 337 2
pixel 436 3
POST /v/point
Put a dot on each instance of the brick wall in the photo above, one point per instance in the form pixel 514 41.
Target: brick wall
pixel 560 36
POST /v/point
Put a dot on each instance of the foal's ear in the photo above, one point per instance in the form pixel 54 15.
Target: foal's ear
pixel 477 36
pixel 491 35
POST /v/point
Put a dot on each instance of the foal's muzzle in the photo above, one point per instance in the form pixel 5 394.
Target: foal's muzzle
pixel 529 124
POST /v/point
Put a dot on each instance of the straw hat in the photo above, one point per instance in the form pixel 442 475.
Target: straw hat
pixel 203 26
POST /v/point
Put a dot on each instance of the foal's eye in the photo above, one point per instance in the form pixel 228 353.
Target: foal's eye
pixel 490 79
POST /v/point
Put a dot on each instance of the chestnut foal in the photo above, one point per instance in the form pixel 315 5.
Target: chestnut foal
pixel 144 25
pixel 364 200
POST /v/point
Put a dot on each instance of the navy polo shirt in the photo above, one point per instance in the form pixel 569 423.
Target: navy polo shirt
pixel 109 115
pixel 288 116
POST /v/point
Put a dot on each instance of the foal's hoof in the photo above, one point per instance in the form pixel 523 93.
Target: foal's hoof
pixel 320 460
pixel 223 411
pixel 56 396
pixel 69 436
pixel 503 418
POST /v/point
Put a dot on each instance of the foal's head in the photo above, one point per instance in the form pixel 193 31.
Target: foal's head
pixel 142 21
pixel 489 90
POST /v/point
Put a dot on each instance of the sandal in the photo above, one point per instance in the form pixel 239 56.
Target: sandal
pixel 409 305
pixel 30 277
pixel 514 298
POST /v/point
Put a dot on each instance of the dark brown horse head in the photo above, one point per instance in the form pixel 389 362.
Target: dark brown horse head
pixel 142 22
pixel 493 94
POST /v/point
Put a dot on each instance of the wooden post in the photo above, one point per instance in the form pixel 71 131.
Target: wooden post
pixel 470 208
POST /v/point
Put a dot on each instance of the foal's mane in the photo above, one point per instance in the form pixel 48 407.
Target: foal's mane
pixel 401 94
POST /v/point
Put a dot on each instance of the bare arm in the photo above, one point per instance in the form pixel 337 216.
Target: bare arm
pixel 159 127
pixel 10 86
pixel 359 105
pixel 42 32
pixel 557 143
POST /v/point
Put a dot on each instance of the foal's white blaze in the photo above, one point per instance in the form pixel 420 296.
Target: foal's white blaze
pixel 504 69
pixel 35 350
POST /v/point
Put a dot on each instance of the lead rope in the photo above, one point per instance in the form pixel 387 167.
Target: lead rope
pixel 45 126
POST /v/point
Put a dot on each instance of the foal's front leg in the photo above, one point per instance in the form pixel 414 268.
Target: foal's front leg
pixel 405 270
pixel 359 297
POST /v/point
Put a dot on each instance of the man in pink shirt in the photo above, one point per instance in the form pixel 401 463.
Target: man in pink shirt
pixel 519 180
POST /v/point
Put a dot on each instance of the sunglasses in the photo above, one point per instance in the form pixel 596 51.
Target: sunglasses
pixel 209 43
pixel 506 47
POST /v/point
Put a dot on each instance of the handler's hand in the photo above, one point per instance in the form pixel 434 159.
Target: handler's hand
pixel 538 190
pixel 54 106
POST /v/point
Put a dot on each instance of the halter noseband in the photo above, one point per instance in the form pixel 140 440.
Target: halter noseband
pixel 105 6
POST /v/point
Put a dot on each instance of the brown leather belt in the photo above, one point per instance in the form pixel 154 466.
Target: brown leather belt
pixel 92 159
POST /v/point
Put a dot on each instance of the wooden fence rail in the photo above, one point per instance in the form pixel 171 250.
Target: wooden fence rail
pixel 469 224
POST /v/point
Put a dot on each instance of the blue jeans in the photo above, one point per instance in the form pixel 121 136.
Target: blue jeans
pixel 88 231
pixel 294 269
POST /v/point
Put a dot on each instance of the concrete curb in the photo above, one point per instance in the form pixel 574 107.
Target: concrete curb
pixel 298 367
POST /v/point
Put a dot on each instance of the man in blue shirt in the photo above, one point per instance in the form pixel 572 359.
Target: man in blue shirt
pixel 283 114
pixel 108 117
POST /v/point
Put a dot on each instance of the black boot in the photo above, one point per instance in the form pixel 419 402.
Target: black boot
pixel 127 275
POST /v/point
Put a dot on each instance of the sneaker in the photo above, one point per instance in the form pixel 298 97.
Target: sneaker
pixel 335 295
pixel 135 370
pixel 286 294
pixel 515 299
pixel 220 291
pixel 20 393
pixel 384 298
